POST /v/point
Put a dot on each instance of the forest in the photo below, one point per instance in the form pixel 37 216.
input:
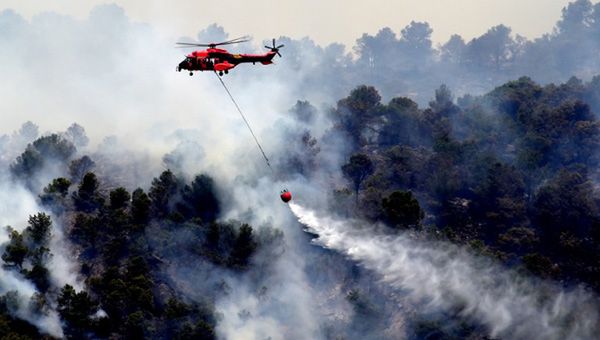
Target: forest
pixel 509 174
pixel 489 145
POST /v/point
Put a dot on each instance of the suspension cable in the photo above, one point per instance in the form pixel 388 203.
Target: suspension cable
pixel 245 121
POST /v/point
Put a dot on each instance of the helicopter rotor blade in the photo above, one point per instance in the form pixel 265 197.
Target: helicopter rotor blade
pixel 228 42
pixel 280 46
pixel 191 44
pixel 245 37
pixel 234 41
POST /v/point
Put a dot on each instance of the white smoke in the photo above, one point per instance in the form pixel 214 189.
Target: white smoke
pixel 443 275
pixel 280 303
pixel 47 321
pixel 16 204
pixel 61 266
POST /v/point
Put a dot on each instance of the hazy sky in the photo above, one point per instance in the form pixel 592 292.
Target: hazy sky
pixel 325 21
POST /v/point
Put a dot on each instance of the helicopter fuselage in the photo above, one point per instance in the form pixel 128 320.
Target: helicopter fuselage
pixel 220 60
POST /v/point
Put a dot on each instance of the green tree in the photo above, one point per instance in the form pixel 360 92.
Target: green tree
pixel 119 198
pixel 114 298
pixel 415 44
pixel 39 228
pixel 79 167
pixel 402 124
pixel 559 136
pixel 402 209
pixel 452 52
pixel 443 104
pixel 358 168
pixel 76 309
pixel 16 251
pixel 140 206
pixel 493 51
pixel 499 199
pixel 139 285
pixel 59 186
pixel 88 185
pixel 55 193
pixel 163 192
pixel 86 197
pixel 566 203
pixel 244 247
pixel 200 199
pixel 85 228
pixel 39 275
pixel 28 163
pixel 358 114
pixel 403 166
pixel 52 147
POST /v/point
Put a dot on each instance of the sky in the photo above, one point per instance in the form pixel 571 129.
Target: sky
pixel 325 21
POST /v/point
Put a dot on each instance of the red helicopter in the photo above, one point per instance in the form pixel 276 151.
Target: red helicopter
pixel 219 60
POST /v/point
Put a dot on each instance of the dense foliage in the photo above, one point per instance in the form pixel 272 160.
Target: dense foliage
pixel 511 172
pixel 128 295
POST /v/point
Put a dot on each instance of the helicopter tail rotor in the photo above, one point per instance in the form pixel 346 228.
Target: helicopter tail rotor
pixel 275 48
